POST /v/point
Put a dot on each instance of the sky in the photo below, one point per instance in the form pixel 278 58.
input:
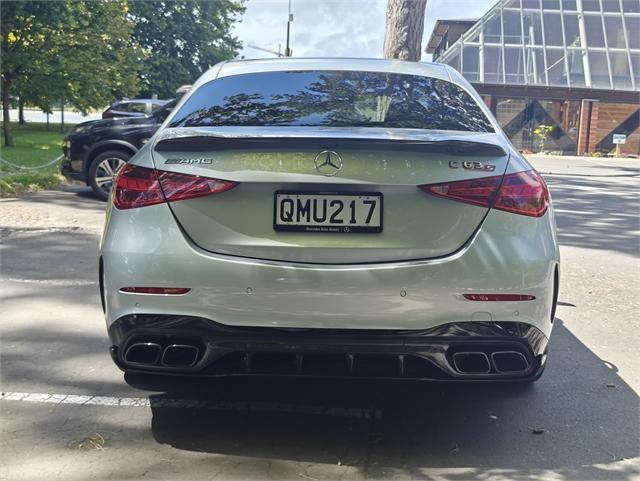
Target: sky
pixel 335 28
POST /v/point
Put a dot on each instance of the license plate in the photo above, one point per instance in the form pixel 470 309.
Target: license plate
pixel 339 213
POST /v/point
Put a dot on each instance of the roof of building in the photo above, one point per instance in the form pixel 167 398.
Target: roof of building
pixel 441 28
pixel 549 43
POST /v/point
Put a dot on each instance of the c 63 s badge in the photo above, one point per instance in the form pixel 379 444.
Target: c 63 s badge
pixel 199 161
pixel 468 165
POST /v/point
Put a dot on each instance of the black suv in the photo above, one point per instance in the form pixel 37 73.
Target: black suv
pixel 94 151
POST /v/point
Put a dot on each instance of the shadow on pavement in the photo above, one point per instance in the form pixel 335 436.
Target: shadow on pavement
pixel 75 197
pixel 588 413
pixel 596 213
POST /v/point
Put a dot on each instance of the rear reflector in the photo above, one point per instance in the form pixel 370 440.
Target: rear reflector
pixel 498 297
pixel 137 186
pixel 522 193
pixel 156 290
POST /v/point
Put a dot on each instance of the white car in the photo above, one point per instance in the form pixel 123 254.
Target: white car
pixel 333 218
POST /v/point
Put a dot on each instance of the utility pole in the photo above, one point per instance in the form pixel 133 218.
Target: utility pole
pixel 287 50
pixel 404 28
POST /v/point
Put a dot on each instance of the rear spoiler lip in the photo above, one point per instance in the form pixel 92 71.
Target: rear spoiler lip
pixel 241 138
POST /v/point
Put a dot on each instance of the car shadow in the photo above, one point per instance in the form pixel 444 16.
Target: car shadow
pixel 579 415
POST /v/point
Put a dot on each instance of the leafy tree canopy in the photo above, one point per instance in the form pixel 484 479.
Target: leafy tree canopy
pixel 81 51
pixel 182 39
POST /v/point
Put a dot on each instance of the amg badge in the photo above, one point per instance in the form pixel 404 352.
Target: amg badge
pixel 189 161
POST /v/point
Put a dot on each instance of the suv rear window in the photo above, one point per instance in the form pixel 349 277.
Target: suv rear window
pixel 332 99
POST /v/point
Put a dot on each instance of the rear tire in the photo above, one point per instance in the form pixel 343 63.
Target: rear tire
pixel 103 170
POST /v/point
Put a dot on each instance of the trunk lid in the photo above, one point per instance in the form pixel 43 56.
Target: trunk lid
pixel 385 164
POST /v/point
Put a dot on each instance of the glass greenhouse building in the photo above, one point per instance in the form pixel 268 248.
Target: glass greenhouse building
pixel 571 64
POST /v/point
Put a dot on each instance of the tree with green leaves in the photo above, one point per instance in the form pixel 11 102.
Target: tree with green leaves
pixel 182 39
pixel 79 51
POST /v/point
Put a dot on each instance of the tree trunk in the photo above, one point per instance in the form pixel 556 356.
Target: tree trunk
pixel 21 110
pixel 403 33
pixel 6 107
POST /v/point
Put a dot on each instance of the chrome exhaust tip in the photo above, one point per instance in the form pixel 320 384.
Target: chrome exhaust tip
pixel 143 353
pixel 471 362
pixel 509 361
pixel 180 355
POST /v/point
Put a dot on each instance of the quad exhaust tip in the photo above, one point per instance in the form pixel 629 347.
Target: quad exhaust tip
pixel 471 362
pixel 143 353
pixel 509 361
pixel 180 355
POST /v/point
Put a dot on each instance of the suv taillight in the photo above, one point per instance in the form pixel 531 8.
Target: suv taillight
pixel 137 186
pixel 522 193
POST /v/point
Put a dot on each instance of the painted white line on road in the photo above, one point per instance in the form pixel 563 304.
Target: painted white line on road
pixel 242 406
pixel 52 282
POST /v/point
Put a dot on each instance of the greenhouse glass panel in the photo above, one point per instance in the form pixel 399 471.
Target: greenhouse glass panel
pixel 591 5
pixel 473 36
pixel 635 61
pixel 620 70
pixel 493 30
pixel 556 68
pixel 599 70
pixel 470 63
pixel 615 34
pixel 631 6
pixel 571 30
pixel 633 31
pixel 452 58
pixel 493 65
pixel 532 28
pixel 576 67
pixel 511 27
pixel 551 4
pixel 534 66
pixel 513 65
pixel 611 6
pixel 595 34
pixel 553 29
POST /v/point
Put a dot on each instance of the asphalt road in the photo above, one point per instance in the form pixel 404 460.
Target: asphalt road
pixel 579 422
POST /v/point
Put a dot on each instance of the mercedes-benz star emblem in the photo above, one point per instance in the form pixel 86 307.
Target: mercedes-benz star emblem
pixel 328 162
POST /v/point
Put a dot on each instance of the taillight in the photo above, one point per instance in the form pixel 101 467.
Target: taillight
pixel 522 193
pixel 137 186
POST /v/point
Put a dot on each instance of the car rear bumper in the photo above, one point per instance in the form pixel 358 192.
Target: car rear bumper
pixel 508 255
pixel 466 351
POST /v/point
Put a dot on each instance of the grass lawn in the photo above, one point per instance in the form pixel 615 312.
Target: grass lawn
pixel 35 145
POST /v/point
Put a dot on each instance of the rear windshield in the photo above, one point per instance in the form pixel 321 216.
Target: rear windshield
pixel 332 99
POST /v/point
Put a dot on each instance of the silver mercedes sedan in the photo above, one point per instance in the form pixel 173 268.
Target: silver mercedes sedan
pixel 331 218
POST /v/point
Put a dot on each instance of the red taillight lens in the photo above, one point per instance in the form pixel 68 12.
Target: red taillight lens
pixel 522 193
pixel 182 186
pixel 136 187
pixel 140 186
pixel 476 191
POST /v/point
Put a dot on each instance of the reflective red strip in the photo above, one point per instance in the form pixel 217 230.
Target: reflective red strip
pixel 156 290
pixel 498 297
